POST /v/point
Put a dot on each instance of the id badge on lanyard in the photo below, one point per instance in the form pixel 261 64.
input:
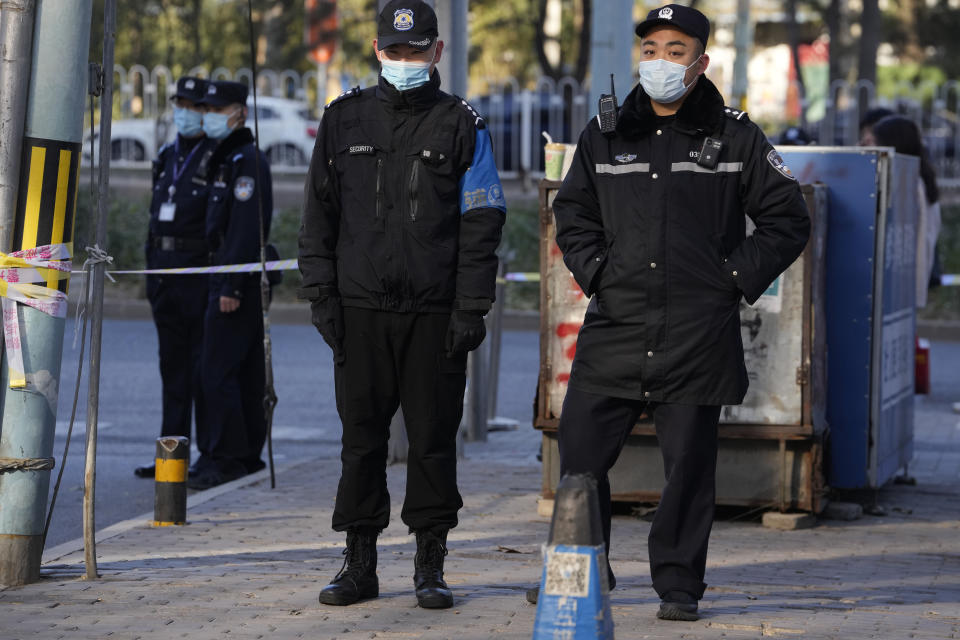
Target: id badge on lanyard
pixel 168 210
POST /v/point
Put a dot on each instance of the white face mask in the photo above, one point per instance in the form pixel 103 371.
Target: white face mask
pixel 663 80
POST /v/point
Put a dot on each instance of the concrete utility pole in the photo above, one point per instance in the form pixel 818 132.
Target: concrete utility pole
pixel 46 203
pixel 743 40
pixel 611 48
pixel 16 38
pixel 452 25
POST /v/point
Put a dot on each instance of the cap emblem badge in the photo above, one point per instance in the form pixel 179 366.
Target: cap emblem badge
pixel 403 19
pixel 189 84
pixel 666 13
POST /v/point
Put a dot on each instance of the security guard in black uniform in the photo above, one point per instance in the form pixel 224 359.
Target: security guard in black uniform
pixel 403 213
pixel 177 238
pixel 232 365
pixel 651 223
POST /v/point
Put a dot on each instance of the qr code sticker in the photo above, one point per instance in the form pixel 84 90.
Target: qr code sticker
pixel 567 574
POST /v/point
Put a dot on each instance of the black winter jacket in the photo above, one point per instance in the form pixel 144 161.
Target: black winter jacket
pixel 403 205
pixel 660 243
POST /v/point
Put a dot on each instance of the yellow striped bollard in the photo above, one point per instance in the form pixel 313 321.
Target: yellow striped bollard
pixel 170 480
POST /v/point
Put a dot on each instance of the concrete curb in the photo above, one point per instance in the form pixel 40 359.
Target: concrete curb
pixel 76 545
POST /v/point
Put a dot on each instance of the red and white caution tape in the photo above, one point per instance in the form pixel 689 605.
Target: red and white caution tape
pixel 19 271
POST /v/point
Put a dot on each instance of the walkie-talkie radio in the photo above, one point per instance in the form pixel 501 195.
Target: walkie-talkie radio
pixel 607 117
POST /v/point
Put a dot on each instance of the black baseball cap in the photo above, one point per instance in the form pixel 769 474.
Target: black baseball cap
pixel 224 92
pixel 690 21
pixel 191 88
pixel 409 22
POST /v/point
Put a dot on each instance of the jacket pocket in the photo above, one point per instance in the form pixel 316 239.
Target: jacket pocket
pixel 360 175
pixel 433 204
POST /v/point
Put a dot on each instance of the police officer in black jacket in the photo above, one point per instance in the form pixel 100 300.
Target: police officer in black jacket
pixel 233 358
pixel 651 223
pixel 402 216
pixel 177 238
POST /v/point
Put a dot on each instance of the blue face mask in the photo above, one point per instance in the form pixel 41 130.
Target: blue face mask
pixel 189 122
pixel 663 80
pixel 215 124
pixel 405 75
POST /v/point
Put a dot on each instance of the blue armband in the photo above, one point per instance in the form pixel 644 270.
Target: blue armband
pixel 480 185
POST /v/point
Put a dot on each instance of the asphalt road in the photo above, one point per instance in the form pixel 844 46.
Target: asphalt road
pixel 305 422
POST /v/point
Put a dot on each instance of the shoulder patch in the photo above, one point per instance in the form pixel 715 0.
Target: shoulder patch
pixel 349 93
pixel 736 114
pixel 243 188
pixel 776 161
pixel 466 106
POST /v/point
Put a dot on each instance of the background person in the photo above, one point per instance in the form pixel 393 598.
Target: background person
pixel 233 358
pixel 402 217
pixel 650 220
pixel 870 118
pixel 177 238
pixel 904 136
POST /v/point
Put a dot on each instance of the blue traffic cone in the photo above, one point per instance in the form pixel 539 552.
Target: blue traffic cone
pixel 574 601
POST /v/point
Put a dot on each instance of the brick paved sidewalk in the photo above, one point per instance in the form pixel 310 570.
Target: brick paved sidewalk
pixel 252 560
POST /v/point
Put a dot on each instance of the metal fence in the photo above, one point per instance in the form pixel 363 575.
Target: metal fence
pixel 934 107
pixel 516 115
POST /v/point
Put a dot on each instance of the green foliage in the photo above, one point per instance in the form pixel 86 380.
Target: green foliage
pixel 181 34
pixel 521 247
pixel 937 26
pixel 943 303
pixel 283 235
pixel 127 219
pixel 909 79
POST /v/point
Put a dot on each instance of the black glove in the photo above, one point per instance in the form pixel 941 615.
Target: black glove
pixel 466 331
pixel 327 317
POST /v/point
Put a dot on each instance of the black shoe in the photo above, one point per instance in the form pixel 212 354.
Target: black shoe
pixel 147 471
pixel 357 579
pixel 678 605
pixel 255 465
pixel 533 593
pixel 210 478
pixel 432 591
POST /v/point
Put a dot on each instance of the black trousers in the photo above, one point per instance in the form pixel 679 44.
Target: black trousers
pixel 592 432
pixel 233 385
pixel 179 304
pixel 391 360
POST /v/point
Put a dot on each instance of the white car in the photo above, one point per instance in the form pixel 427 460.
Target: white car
pixel 287 134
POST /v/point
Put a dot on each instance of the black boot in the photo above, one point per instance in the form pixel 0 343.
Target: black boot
pixel 357 579
pixel 432 591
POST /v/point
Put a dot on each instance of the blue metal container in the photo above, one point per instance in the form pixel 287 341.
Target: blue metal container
pixel 870 298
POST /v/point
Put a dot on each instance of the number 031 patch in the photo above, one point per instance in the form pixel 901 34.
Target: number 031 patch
pixel 776 161
pixel 243 188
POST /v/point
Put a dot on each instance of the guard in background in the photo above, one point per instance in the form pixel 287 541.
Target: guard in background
pixel 232 365
pixel 177 238
pixel 402 217
pixel 650 220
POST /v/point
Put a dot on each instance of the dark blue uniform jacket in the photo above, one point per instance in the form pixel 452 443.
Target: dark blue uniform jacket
pixel 233 215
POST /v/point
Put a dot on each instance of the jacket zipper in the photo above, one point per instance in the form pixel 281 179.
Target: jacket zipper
pixel 379 185
pixel 414 179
